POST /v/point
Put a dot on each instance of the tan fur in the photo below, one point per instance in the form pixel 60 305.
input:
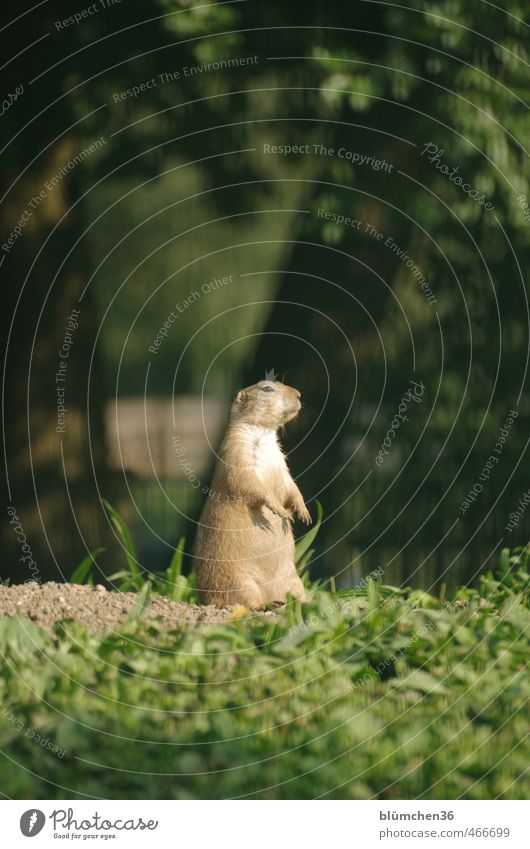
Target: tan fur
pixel 244 548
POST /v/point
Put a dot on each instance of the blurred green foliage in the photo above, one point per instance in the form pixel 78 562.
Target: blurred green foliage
pixel 183 193
pixel 388 693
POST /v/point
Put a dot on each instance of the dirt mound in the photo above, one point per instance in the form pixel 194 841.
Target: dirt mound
pixel 98 609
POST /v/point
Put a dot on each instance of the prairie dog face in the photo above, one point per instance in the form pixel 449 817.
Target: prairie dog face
pixel 269 404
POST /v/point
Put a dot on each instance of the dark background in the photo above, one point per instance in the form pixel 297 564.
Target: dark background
pixel 181 193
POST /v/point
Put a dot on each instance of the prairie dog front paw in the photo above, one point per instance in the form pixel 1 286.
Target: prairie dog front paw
pixel 303 514
pixel 276 508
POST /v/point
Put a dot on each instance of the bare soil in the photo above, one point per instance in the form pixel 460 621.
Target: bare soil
pixel 100 610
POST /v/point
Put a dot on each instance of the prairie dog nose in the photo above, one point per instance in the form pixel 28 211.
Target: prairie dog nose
pixel 296 392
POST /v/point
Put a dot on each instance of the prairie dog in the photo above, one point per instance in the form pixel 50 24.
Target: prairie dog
pixel 245 545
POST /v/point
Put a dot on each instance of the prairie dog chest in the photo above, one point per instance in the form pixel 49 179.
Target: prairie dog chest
pixel 267 456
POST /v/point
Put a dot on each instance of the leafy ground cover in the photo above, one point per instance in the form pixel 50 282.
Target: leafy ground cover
pixel 379 692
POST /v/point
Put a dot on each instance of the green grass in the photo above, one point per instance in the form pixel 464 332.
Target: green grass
pixel 171 583
pixel 381 693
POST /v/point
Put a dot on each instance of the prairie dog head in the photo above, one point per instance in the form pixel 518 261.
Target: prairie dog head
pixel 269 404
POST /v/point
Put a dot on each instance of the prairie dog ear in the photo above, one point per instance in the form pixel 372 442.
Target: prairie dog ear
pixel 241 396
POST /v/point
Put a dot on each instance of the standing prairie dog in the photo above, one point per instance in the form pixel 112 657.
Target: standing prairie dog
pixel 245 545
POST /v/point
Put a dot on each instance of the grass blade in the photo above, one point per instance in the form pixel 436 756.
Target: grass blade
pixel 123 532
pixel 303 564
pixel 504 563
pixel 141 604
pixel 80 573
pixel 306 541
pixel 174 571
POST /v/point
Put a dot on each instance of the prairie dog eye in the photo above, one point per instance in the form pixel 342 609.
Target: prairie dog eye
pixel 266 388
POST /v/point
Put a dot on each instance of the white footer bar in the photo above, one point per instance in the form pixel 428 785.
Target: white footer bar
pixel 229 824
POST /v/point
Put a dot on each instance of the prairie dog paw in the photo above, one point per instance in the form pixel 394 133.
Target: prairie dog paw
pixel 280 511
pixel 304 514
